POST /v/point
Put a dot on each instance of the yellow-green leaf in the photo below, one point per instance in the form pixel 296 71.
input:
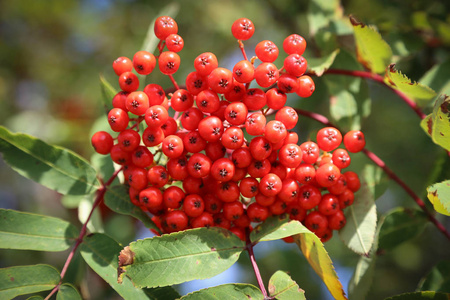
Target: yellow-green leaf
pixel 421 94
pixel 372 51
pixel 439 196
pixel 318 65
pixel 437 124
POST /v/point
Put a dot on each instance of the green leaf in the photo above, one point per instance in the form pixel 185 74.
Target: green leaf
pixel 438 78
pixel 439 196
pixel 429 295
pixel 318 258
pixel 68 292
pixel 95 223
pixel 372 51
pixel 361 281
pixel 52 166
pixel 22 280
pixel 342 105
pixel 104 166
pixel 359 232
pixel 437 124
pixel 178 257
pixel 400 225
pixel 438 279
pixel 318 65
pixel 236 291
pixel 108 93
pixel 36 297
pixel 26 231
pixel 321 13
pixel 282 287
pixel 421 94
pixel 118 200
pixel 275 228
pixel 100 252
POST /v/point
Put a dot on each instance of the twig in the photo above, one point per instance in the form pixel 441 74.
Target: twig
pixel 100 194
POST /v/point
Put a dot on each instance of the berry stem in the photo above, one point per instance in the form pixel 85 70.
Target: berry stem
pixel 379 79
pixel 175 84
pixel 251 254
pixel 100 194
pixel 379 162
pixel 241 46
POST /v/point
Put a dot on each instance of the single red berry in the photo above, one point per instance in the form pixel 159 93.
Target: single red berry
pixel 119 156
pixel 341 158
pixel 173 197
pixel 290 155
pixel 259 168
pixel 233 210
pixel 257 213
pixel 155 94
pixel 328 138
pixel 294 44
pixel 233 138
pixel 196 83
pixel 296 212
pixel 177 168
pixel 193 185
pixel 191 118
pixel 328 205
pixel 144 62
pixel 337 221
pixel 213 204
pixel 199 165
pixel 142 157
pixel 170 127
pixel 222 169
pixel 270 185
pixel 221 221
pixel 295 65
pixel 118 119
pixel 175 220
pixel 215 150
pixel 275 131
pixel 152 136
pixel 242 29
pixel 210 128
pixel 288 116
pixel 316 222
pixel 289 191
pixel 128 140
pixel 102 142
pixel 287 83
pixel 181 100
pixel 264 200
pixel 121 65
pixel 174 42
pixel 275 98
pixel 244 71
pixel 266 74
pixel 327 175
pixel 249 187
pixel 169 62
pixel 156 116
pixel 165 26
pixel 237 92
pixel 353 182
pixel 137 103
pixel 243 222
pixel 346 198
pixel 305 173
pixel 278 207
pixel 220 80
pixel 204 220
pixel 193 142
pixel 137 178
pixel 236 113
pixel 157 176
pixel 354 141
pixel 239 232
pixel 255 99
pixel 310 152
pixel 266 51
pixel 306 86
pixel 207 101
pixel 277 167
pixel 119 100
pixel 193 205
pixel 151 197
pixel 205 63
pixel 128 82
pixel 228 191
pixel 242 157
pixel 339 187
pixel 172 146
pixel 260 148
pixel 309 196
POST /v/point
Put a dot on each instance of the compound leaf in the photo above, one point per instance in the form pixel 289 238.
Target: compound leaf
pixel 22 280
pixel 236 291
pixel 26 231
pixel 178 257
pixel 100 252
pixel 54 167
pixel 372 51
pixel 282 287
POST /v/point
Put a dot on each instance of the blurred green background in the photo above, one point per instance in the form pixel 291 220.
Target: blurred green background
pixel 52 53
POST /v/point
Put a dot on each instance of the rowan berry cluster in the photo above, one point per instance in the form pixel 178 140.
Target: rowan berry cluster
pixel 218 152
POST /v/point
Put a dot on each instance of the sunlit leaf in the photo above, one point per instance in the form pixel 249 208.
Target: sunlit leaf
pixel 439 196
pixel 95 223
pixel 359 232
pixel 275 228
pixel 22 280
pixel 318 65
pixel 419 92
pixel 438 279
pixel 400 225
pixel 318 258
pixel 118 200
pixel 321 13
pixel 101 252
pixel 428 295
pixel 437 124
pixel 54 167
pixel 282 287
pixel 178 257
pixel 236 291
pixel 68 292
pixel 26 231
pixel 373 52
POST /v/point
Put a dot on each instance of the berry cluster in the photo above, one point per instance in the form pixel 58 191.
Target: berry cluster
pixel 227 156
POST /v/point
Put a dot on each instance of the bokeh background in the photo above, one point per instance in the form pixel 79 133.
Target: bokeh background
pixel 52 53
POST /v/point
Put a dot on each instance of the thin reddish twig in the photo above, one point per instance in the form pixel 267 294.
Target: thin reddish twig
pixel 379 162
pixel 251 254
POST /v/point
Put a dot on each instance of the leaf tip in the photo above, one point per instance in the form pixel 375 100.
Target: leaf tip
pixel 355 22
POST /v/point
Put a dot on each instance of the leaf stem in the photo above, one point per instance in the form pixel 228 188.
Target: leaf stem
pixel 251 254
pixel 379 162
pixel 379 79
pixel 98 199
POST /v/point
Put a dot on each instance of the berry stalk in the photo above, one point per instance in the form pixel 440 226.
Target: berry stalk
pixel 251 254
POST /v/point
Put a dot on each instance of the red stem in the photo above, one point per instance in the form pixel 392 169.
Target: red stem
pixel 379 162
pixel 379 79
pixel 175 84
pixel 251 254
pixel 241 46
pixel 100 193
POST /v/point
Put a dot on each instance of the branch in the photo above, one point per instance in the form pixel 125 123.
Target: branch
pixel 379 79
pixel 379 162
pixel 251 254
pixel 98 199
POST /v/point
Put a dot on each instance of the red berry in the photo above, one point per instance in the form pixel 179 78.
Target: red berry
pixel 173 197
pixel 220 80
pixel 295 64
pixel 233 210
pixel 328 138
pixel 169 62
pixel 137 103
pixel 155 94
pixel 172 146
pixel 193 142
pixel 276 99
pixel 102 142
pixel 144 62
pixel 337 221
pixel 310 152
pixel 165 26
pixel 288 116
pixel 329 204
pixel 257 213
pixel 341 158
pixel 241 157
pixel 327 175
pixel 266 74
pixel 121 65
pixel 177 168
pixel 290 155
pixel 309 196
pixel 211 129
pixel 118 119
pixel 205 63
pixel 175 220
pixel 207 101
pixel 128 82
pixel 199 165
pixel 289 191
pixel 191 118
pixel 222 169
pixel 305 173
pixel 353 182
pixel 151 197
pixel 266 51
pixel 288 83
pixel 193 205
pixel 244 71
pixel 196 83
pixel 316 222
pixel 156 116
pixel 305 87
pixel 294 44
pixel 119 100
pixel 174 42
pixel 157 176
pixel 354 141
pixel 204 220
pixel 142 157
pixel 260 148
pixel 128 140
pixel 233 138
pixel 242 29
pixel 249 187
pixel 181 100
pixel 255 99
pixel 275 131
pixel 270 185
pixel 236 113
